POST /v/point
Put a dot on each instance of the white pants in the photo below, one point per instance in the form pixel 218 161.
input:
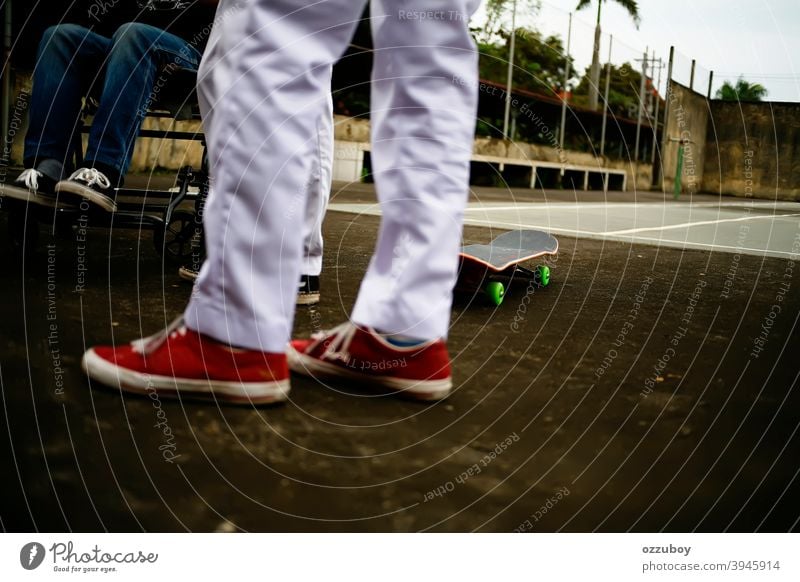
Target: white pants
pixel 264 134
pixel 214 80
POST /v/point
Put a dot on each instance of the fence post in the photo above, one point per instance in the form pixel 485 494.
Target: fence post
pixel 641 106
pixel 655 116
pixel 510 75
pixel 605 98
pixel 664 137
pixel 564 100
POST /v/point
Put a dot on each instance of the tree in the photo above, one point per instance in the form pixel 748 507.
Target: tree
pixel 538 61
pixel 742 91
pixel 632 7
pixel 623 92
pixel 538 67
pixel 498 15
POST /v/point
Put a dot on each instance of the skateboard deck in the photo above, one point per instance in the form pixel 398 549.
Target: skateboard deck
pixel 492 267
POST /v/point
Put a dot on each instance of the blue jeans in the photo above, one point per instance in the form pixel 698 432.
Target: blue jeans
pixel 123 70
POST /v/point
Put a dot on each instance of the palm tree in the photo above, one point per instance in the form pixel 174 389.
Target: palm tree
pixel 632 6
pixel 742 91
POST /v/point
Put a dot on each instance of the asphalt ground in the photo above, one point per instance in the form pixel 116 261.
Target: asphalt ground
pixel 647 388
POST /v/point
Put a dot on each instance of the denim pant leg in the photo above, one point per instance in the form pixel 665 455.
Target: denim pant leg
pixel 138 53
pixel 69 57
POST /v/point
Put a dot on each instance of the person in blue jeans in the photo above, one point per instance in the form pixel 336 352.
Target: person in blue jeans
pixel 123 70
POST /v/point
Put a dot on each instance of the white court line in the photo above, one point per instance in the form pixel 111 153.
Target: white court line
pixel 687 225
pixel 478 207
pixel 618 236
pixel 666 242
pixel 547 227
pixel 543 205
pixel 629 231
pixel 712 246
pixel 692 224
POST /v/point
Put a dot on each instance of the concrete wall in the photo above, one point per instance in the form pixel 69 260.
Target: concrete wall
pixel 639 175
pixel 351 135
pixel 352 138
pixel 723 146
pixel 688 121
pixel 738 149
pixel 753 150
pixel 169 154
pixel 149 155
pixel 732 148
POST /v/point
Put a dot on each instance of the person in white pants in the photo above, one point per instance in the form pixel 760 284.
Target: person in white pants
pixel 214 80
pixel 231 344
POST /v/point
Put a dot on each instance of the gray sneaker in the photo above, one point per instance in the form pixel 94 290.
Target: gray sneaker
pixel 91 185
pixel 32 186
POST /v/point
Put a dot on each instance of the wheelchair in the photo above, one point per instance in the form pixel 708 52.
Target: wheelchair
pixel 173 215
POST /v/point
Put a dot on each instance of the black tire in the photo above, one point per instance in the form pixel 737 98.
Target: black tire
pixel 173 240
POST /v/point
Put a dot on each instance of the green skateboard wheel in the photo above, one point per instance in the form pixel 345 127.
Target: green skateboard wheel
pixel 544 275
pixel 495 291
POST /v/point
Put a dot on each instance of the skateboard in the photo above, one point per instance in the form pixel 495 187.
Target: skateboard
pixel 491 268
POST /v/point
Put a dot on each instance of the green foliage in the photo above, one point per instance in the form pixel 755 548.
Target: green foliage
pixel 623 93
pixel 742 91
pixel 538 62
pixel 498 16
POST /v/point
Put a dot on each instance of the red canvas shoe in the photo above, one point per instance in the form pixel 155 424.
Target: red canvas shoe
pixel 360 354
pixel 179 362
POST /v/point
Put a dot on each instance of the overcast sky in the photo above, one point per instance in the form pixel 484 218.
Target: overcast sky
pixel 757 38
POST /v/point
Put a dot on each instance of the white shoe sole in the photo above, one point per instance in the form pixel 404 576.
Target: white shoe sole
pixel 97 198
pixel 187 274
pixel 428 390
pixel 307 298
pixel 25 195
pixel 244 393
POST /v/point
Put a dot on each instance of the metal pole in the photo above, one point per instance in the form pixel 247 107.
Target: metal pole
pixel 510 75
pixel 664 136
pixel 691 76
pixel 710 81
pixel 6 100
pixel 655 117
pixel 605 98
pixel 676 188
pixel 564 100
pixel 641 106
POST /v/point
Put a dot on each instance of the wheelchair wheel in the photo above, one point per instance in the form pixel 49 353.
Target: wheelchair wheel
pixel 173 240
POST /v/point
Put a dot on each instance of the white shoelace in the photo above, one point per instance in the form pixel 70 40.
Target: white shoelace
pixel 339 346
pixel 31 179
pixel 91 176
pixel 148 345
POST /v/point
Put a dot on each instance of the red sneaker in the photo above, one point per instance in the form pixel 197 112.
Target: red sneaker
pixel 179 362
pixel 360 354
